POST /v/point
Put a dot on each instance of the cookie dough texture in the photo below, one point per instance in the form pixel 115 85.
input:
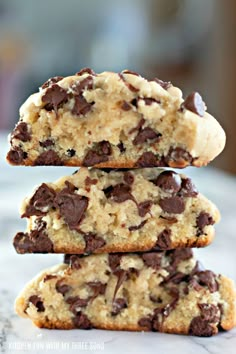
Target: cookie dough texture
pixel 116 121
pixel 158 291
pixel 96 211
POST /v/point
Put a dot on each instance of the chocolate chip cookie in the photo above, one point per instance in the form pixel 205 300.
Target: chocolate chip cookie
pixel 164 291
pixel 96 211
pixel 115 121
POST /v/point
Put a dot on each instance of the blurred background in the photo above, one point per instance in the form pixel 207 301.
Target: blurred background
pixel 189 42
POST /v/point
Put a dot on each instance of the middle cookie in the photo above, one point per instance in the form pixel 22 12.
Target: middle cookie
pixel 98 211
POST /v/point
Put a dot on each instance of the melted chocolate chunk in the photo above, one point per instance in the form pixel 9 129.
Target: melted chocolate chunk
pixel 41 202
pixel 200 327
pixel 128 178
pixel 138 127
pixel 71 152
pixel 122 276
pixel 195 104
pixel 152 259
pixel 81 321
pixel 86 71
pixel 21 132
pixel 165 85
pixel 62 288
pixel 118 305
pixel 76 303
pixel 51 81
pixel 97 287
pixel 188 189
pixel 131 72
pixel 163 240
pixel 137 227
pixel 172 205
pixel 210 312
pixel 144 207
pixel 145 135
pixel 169 182
pixel 130 86
pixel 49 277
pixel 80 86
pixel 203 219
pixel 114 260
pixel 178 157
pixel 89 181
pixel 72 206
pixel 46 143
pixel 149 101
pixel 179 254
pixel 48 158
pixel 99 154
pixel 208 278
pixel 119 193
pixel 35 242
pixel 93 242
pixel 37 302
pixel 176 278
pixel 73 261
pixel 148 159
pixel 81 106
pixel 53 97
pixel 16 156
pixel 146 322
pixel 121 147
pixel 125 106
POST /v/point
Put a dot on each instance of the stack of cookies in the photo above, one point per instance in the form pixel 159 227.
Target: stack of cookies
pixel 125 225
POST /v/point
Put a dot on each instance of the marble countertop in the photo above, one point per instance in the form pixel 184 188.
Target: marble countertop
pixel 19 335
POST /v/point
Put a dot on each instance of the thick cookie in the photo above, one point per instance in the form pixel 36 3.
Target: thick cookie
pixel 116 121
pixel 95 211
pixel 156 291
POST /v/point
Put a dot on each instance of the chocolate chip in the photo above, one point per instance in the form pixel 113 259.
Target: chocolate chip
pixel 137 227
pixel 41 202
pixel 208 278
pixel 118 305
pixel 163 240
pixel 188 189
pixel 76 303
pixel 146 322
pixel 163 84
pixel 146 134
pixel 114 260
pixel 21 132
pixel 200 327
pixel 176 278
pixel 49 277
pixel 178 157
pixel 203 219
pixel 210 312
pixel 37 241
pixel 97 287
pixel 16 156
pixel 147 159
pixel 99 154
pixel 81 106
pixel 144 207
pixel 179 254
pixel 121 147
pixel 73 261
pixel 93 242
pixel 86 71
pixel 62 288
pixel 125 106
pixel 53 97
pixel 48 158
pixel 130 72
pixel 37 302
pixel 169 182
pixel 169 219
pixel 122 276
pixel 138 127
pixel 71 152
pixel 152 259
pixel 130 87
pixel 51 81
pixel 128 178
pixel 149 101
pixel 79 86
pixel 90 181
pixel 81 321
pixel 46 143
pixel 195 104
pixel 72 207
pixel 172 205
pixel 119 193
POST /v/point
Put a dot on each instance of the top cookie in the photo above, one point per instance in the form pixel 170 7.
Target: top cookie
pixel 115 121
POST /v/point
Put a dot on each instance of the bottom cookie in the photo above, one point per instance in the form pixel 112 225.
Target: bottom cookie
pixel 156 291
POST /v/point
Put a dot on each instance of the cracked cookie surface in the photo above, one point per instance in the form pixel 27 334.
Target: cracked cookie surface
pixel 156 291
pixel 116 121
pixel 96 211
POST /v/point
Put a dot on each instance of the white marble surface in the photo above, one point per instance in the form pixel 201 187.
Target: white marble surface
pixel 20 336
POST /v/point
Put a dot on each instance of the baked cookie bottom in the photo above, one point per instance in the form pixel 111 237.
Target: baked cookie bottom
pixel 156 291
pixel 96 211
